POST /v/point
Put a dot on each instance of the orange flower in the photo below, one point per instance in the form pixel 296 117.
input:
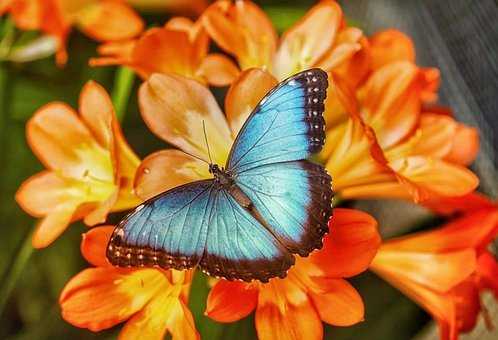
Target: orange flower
pixel 320 39
pixel 394 147
pixel 443 270
pixel 180 47
pixel 153 301
pixel 103 20
pixel 90 165
pixel 314 289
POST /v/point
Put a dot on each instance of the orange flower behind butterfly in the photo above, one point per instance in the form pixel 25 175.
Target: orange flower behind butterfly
pixel 444 270
pixel 313 291
pixel 90 167
pixel 382 142
pixel 102 20
pixel 320 39
pixel 180 47
pixel 153 302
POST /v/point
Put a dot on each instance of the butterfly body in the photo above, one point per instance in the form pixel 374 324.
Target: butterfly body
pixel 249 220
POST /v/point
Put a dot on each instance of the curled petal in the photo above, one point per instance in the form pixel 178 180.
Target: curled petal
pixel 301 47
pixel 176 109
pixel 231 301
pixel 390 46
pixel 218 70
pixel 164 170
pixel 337 302
pixel 244 94
pixel 109 20
pixel 99 298
pixel 243 30
pixel 346 45
pixel 166 312
pixel 94 245
pixel 350 246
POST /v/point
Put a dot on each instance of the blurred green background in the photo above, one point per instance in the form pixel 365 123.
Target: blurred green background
pixel 29 293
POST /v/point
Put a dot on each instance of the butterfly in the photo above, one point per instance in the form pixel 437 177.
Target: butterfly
pixel 267 204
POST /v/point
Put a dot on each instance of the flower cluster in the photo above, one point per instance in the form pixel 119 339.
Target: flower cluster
pixel 385 138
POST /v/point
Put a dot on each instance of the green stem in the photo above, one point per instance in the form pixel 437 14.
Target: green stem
pixel 123 83
pixel 7 32
pixel 15 269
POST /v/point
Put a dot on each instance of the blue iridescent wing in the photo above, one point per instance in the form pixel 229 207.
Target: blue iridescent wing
pixel 198 223
pixel 287 124
pixel 294 199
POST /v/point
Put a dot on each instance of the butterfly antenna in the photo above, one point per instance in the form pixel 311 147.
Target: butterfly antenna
pixel 196 157
pixel 206 139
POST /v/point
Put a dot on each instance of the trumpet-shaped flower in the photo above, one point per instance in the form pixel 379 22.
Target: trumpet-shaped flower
pixel 90 167
pixel 180 47
pixel 103 20
pixel 444 270
pixel 314 289
pixel 153 302
pixel 320 39
pixel 401 150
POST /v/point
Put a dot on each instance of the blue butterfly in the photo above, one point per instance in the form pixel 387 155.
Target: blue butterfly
pixel 267 204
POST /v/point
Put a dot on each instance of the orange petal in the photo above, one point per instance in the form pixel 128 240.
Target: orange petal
pixel 473 230
pixel 97 111
pixel 99 298
pixel 390 46
pixel 465 145
pixel 356 67
pixel 308 40
pixel 166 312
pixel 461 204
pixel 164 170
pixel 351 244
pixel 439 271
pixel 391 101
pixel 231 301
pixel 54 133
pixel 346 45
pixel 175 109
pixel 440 306
pixel 244 94
pixel 468 304
pixel 53 225
pixel 291 321
pixel 27 14
pixel 109 20
pixel 42 193
pixel 436 176
pixel 487 271
pixel 218 70
pixel 243 30
pixel 94 245
pixel 338 303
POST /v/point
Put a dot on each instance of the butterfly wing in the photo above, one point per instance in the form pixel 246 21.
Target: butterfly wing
pixel 294 198
pixel 268 162
pixel 287 124
pixel 198 223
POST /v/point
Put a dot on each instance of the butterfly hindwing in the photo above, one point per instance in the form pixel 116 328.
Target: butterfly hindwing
pixel 287 124
pixel 294 198
pixel 198 223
